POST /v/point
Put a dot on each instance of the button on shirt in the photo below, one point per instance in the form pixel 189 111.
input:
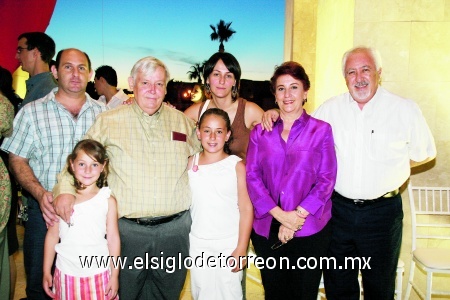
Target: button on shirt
pixel 148 159
pixel 374 145
pixel 300 171
pixel 45 134
pixel 116 100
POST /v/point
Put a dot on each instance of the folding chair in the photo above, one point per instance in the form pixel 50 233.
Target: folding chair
pixel 430 222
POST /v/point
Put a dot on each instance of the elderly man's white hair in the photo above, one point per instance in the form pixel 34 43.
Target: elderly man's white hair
pixel 371 51
pixel 148 65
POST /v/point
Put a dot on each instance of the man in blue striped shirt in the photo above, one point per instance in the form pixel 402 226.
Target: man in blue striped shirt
pixel 45 132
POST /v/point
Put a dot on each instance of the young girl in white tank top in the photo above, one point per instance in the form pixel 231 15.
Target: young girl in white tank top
pixel 222 213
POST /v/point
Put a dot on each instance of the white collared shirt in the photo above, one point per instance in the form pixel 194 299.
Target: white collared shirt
pixel 116 100
pixel 374 145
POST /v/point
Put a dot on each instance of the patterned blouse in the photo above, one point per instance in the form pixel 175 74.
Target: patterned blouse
pixel 6 124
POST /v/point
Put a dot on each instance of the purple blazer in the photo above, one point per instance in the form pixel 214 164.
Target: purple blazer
pixel 301 171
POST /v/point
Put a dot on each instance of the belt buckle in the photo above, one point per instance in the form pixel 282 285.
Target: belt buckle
pixel 391 194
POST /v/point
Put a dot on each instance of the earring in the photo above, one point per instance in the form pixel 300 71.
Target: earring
pixel 234 92
pixel 207 88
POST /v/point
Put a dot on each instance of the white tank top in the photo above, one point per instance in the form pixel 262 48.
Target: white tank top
pixel 214 209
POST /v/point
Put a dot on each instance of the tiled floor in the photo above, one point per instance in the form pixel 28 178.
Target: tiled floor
pixel 254 289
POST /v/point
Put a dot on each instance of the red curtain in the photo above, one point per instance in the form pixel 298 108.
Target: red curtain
pixel 16 17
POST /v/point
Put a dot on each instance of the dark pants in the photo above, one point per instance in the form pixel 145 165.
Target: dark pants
pixel 164 243
pixel 373 231
pixel 292 283
pixel 33 250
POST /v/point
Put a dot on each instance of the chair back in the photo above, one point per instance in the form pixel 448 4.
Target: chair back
pixel 430 214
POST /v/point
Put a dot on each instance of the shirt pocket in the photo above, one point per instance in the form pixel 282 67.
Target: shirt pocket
pixel 386 146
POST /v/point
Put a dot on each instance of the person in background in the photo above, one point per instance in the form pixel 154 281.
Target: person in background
pixel 291 172
pixel 35 51
pixel 218 183
pixel 93 219
pixel 105 82
pixel 6 124
pixel 13 242
pixel 222 73
pixel 45 132
pixel 148 146
pixel 197 94
pixel 378 137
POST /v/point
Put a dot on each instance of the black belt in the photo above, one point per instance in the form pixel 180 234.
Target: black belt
pixel 364 202
pixel 156 220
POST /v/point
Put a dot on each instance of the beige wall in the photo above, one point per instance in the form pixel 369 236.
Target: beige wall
pixel 413 37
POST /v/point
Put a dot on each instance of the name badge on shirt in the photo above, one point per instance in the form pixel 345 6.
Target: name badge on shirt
pixel 178 136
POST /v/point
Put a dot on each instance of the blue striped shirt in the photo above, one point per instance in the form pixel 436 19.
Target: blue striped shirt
pixel 45 133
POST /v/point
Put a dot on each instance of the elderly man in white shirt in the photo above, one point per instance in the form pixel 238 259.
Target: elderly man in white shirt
pixel 105 82
pixel 378 137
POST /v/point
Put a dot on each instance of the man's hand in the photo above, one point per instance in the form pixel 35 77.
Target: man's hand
pixel 48 212
pixel 268 118
pixel 63 205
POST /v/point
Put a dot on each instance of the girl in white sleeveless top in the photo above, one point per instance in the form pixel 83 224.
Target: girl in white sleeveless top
pixel 82 240
pixel 222 213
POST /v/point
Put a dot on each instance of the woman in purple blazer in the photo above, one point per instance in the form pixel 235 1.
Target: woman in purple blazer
pixel 291 172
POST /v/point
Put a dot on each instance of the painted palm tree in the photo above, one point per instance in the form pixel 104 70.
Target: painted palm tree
pixel 196 72
pixel 222 32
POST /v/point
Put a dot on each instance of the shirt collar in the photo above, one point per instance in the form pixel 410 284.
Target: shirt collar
pixel 301 121
pixel 143 115
pixel 37 78
pixel 369 105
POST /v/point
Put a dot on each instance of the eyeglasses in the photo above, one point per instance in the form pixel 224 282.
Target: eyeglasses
pixel 20 49
pixel 277 245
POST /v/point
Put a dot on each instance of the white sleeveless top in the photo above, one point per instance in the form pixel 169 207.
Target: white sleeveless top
pixel 214 209
pixel 85 238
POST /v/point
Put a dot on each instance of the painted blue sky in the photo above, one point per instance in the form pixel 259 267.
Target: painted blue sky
pixel 118 33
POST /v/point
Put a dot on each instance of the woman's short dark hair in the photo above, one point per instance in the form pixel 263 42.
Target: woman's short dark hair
pixel 6 82
pixel 224 115
pixel 290 68
pixel 229 61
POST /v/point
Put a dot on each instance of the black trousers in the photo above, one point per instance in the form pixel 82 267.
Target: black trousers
pixel 296 281
pixel 159 274
pixel 372 234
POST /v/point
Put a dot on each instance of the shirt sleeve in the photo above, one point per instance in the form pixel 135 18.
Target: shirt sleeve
pixel 64 184
pixel 259 194
pixel 422 145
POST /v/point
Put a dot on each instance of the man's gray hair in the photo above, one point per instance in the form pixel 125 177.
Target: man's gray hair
pixel 372 52
pixel 148 65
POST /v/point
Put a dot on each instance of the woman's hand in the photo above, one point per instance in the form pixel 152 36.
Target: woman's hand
pixel 285 234
pixel 289 219
pixel 301 212
pixel 128 101
pixel 268 118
